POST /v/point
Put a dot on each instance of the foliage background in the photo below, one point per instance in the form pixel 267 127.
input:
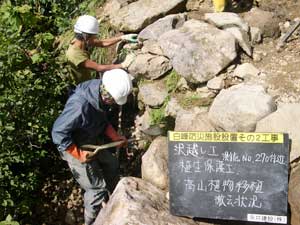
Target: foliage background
pixel 33 89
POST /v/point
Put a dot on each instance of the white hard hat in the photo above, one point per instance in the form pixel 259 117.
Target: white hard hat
pixel 86 24
pixel 118 84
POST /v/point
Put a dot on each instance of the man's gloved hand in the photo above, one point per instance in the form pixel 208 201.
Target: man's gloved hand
pixel 114 136
pixel 128 60
pixel 132 38
pixel 81 155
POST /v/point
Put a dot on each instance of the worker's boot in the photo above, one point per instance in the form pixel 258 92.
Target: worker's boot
pixel 219 5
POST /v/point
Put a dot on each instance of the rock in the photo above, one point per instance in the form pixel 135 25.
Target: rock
pixel 294 196
pixel 182 85
pixel 156 29
pixel 285 119
pixel 153 94
pixel 193 4
pixel 206 92
pixel 152 47
pixel 256 35
pixel 173 108
pixel 191 121
pixel 198 51
pixel 245 70
pixel 139 14
pixel 142 123
pixel 136 201
pixel 242 38
pixel 266 21
pixel 240 107
pixel 155 163
pixel 233 24
pixel 225 20
pixel 113 6
pixel 149 66
pixel 217 83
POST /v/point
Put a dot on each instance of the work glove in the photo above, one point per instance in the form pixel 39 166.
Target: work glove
pixel 128 60
pixel 132 38
pixel 114 136
pixel 81 155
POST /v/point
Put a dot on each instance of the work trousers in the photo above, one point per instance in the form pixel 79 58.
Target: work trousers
pixel 98 178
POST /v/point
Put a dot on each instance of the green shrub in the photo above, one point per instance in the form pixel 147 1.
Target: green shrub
pixel 172 80
pixel 32 94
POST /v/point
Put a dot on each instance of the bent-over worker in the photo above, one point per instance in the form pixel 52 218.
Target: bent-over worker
pixel 84 121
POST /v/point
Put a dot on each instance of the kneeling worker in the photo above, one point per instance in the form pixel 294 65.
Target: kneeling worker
pixel 84 121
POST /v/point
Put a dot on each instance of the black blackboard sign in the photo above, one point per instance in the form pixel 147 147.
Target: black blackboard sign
pixel 229 175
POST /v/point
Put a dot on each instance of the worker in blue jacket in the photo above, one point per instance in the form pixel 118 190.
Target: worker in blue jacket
pixel 84 121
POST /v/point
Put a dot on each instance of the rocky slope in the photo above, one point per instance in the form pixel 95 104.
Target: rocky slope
pixel 204 71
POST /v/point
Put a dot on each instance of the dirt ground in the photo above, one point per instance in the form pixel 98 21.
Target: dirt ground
pixel 281 68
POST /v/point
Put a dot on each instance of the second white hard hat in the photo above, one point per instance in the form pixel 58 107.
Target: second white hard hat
pixel 86 24
pixel 118 83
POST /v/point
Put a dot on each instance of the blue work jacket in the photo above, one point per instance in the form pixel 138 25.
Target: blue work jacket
pixel 82 121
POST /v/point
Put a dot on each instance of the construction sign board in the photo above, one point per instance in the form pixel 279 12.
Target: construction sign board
pixel 229 175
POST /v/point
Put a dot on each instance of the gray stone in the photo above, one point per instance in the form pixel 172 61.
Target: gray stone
pixel 226 20
pixel 173 108
pixel 136 201
pixel 153 94
pixel 137 15
pixel 233 24
pixel 285 119
pixel 191 121
pixel 182 85
pixel 149 66
pixel 152 47
pixel 156 29
pixel 217 83
pixel 242 38
pixel 266 21
pixel 155 163
pixel 256 35
pixel 240 107
pixel 205 92
pixel 198 51
pixel 245 70
pixel 112 7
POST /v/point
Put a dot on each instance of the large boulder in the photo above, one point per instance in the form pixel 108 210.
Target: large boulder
pixel 155 163
pixel 226 19
pixel 267 22
pixel 136 201
pixel 240 107
pixel 198 51
pixel 285 119
pixel 154 30
pixel 232 23
pixel 149 66
pixel 135 16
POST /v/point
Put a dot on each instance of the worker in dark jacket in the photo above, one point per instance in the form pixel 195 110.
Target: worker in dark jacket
pixel 84 121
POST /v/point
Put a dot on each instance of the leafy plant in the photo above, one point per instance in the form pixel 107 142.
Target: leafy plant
pixel 9 221
pixel 172 80
pixel 32 94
